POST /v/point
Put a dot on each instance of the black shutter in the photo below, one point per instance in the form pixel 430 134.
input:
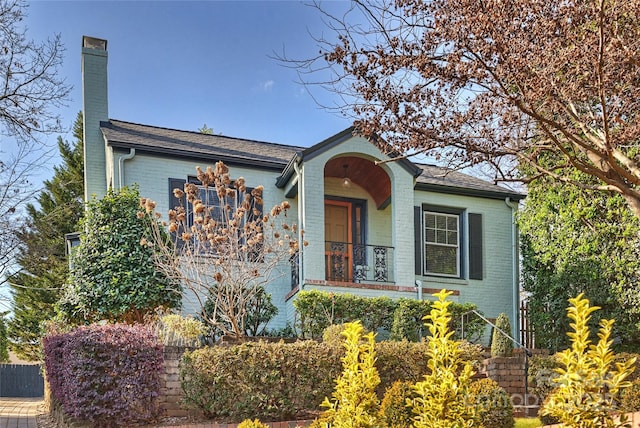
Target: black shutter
pixel 256 254
pixel 176 183
pixel 417 238
pixel 475 246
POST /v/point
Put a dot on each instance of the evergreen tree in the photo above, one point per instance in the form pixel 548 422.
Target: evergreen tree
pixel 4 349
pixel 113 274
pixel 579 241
pixel 44 264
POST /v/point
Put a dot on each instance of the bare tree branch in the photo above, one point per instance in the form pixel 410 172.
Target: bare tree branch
pixel 472 82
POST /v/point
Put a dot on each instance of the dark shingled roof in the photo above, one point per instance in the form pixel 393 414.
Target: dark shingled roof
pixel 450 181
pixel 172 142
pixel 195 145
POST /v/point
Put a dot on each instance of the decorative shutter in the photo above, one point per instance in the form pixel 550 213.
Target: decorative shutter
pixel 417 238
pixel 176 183
pixel 256 255
pixel 475 246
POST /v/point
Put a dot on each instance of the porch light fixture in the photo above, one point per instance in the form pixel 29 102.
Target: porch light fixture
pixel 346 181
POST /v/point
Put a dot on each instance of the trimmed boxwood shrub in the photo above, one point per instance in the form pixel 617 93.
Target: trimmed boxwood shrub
pixel 316 310
pixel 108 375
pixel 501 345
pixel 492 403
pixel 264 380
pixel 281 381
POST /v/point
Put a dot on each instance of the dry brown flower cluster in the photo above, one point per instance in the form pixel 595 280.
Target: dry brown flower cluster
pixel 223 246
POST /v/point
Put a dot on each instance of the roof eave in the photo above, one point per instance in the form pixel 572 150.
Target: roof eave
pixel 465 191
pixel 288 171
pixel 183 154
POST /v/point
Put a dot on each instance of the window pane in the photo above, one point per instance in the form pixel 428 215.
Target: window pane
pixel 429 220
pixel 441 243
pixel 452 223
pixel 442 260
pixel 431 235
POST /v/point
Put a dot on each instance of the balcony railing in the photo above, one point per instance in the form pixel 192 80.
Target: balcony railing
pixel 349 262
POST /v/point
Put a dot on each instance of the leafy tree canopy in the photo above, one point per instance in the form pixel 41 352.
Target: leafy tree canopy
pixel 578 241
pixel 113 274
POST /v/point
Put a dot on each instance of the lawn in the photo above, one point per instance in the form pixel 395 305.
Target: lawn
pixel 528 423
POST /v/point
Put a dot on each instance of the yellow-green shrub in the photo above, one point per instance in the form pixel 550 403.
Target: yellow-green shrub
pixel 248 423
pixel 174 329
pixel 588 384
pixel 394 411
pixel 354 401
pixel 492 402
pixel 440 399
pixel 542 374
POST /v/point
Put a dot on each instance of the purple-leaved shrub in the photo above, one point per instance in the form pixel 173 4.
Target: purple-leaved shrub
pixel 108 375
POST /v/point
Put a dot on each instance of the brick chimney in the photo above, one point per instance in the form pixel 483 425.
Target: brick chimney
pixel 94 109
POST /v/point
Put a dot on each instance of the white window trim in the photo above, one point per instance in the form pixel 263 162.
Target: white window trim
pixel 458 218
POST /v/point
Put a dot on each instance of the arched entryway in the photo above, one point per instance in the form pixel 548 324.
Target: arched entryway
pixel 359 192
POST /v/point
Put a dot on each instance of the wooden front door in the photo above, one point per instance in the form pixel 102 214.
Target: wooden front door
pixel 338 246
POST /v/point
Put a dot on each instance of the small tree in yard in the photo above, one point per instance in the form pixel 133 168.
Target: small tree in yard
pixel 225 249
pixel 354 401
pixel 113 276
pixel 501 345
pixel 506 83
pixel 588 386
pixel 441 398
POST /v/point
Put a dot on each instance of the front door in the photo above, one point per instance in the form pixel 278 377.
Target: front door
pixel 338 245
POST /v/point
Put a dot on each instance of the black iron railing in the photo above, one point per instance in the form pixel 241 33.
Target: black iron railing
pixel 349 262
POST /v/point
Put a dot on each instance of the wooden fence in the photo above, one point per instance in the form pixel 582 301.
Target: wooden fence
pixel 527 335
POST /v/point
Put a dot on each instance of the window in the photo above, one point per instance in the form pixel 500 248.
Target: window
pixel 448 242
pixel 216 209
pixel 442 243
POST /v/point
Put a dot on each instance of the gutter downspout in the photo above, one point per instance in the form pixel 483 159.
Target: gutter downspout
pixel 515 266
pixel 296 167
pixel 121 159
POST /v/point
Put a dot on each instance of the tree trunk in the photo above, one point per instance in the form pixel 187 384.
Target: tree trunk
pixel 633 200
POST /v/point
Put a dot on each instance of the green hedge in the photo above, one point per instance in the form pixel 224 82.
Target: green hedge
pixel 281 381
pixel 268 381
pixel 316 310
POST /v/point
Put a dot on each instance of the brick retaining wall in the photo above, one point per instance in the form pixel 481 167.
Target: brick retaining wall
pixel 170 389
pixel 509 373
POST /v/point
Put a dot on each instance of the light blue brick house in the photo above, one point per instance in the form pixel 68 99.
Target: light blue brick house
pixel 396 229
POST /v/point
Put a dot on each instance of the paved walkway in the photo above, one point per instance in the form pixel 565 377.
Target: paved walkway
pixel 19 412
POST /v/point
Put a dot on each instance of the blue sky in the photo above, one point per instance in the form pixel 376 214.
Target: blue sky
pixel 183 64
